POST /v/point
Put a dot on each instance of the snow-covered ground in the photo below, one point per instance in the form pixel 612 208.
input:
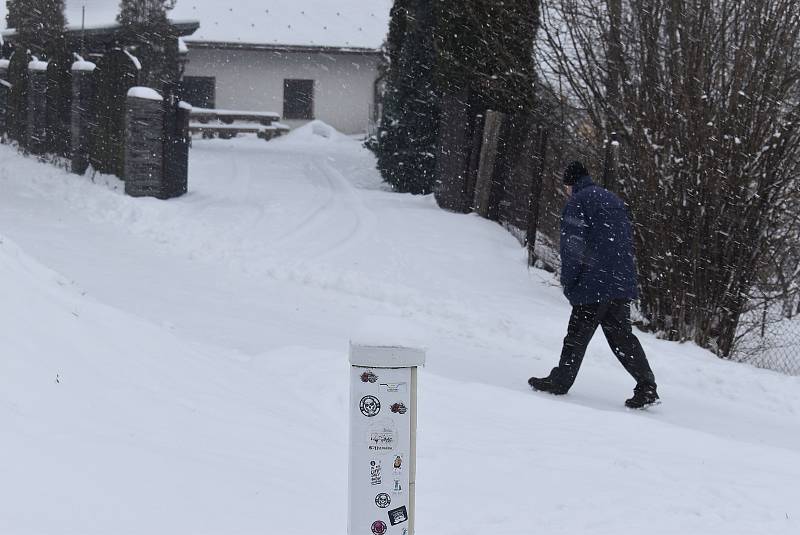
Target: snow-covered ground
pixel 180 366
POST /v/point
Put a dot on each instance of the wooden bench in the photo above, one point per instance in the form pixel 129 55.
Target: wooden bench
pixel 227 124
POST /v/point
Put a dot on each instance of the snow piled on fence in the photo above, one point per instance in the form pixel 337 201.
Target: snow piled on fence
pixel 181 366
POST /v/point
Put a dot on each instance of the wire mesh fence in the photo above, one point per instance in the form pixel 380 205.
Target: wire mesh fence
pixel 774 345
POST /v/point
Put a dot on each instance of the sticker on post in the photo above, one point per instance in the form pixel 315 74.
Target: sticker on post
pixel 375 472
pixel 370 406
pixel 383 500
pixel 382 438
pixel 399 408
pixel 397 465
pixel 398 516
pixel 397 488
pixel 394 388
pixel 369 377
pixel 379 528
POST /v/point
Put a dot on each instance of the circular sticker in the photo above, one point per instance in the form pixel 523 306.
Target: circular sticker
pixel 383 500
pixel 378 527
pixel 370 406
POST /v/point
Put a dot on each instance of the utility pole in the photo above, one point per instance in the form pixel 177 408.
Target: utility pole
pixel 83 31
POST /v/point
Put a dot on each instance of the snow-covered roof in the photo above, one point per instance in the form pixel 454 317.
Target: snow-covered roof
pixel 326 23
pixel 329 23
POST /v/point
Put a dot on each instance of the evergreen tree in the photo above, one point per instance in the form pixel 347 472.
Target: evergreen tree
pixel 114 76
pixel 145 22
pixel 40 25
pixel 407 138
pixel 486 47
pixel 40 31
pixel 17 110
pixel 13 12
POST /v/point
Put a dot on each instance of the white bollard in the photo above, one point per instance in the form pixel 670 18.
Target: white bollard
pixel 383 423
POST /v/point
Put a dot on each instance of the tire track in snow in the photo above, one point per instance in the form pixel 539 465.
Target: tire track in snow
pixel 338 221
pixel 309 220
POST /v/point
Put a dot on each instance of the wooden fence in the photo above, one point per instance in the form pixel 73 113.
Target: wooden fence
pixel 493 164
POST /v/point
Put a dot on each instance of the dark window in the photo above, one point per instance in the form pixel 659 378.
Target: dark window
pixel 298 99
pixel 199 91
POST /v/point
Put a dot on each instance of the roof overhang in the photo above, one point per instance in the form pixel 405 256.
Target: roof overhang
pixel 97 36
pixel 310 49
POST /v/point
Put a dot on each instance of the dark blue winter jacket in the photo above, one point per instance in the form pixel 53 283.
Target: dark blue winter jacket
pixel 597 261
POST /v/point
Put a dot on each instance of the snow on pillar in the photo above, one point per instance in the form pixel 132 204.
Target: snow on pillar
pixel 37 107
pixel 384 356
pixel 82 94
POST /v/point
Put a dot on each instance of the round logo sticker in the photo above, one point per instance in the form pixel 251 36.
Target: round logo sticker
pixel 383 500
pixel 378 527
pixel 370 406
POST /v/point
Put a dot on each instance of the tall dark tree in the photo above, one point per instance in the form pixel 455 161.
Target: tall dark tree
pixel 40 32
pixel 114 76
pixel 13 13
pixel 39 24
pixel 146 23
pixel 408 134
pixel 486 47
pixel 484 62
pixel 17 110
pixel 51 45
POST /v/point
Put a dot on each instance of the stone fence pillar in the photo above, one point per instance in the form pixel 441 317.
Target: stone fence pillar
pixel 82 94
pixel 37 107
pixel 144 147
pixel 4 87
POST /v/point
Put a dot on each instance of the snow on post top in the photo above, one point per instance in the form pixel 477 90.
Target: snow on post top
pixel 387 342
pixel 145 93
pixel 37 65
pixel 83 65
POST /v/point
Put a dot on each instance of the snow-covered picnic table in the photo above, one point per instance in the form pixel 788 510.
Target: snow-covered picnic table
pixel 229 123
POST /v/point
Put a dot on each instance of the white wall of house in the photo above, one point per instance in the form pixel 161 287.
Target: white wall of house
pixel 253 80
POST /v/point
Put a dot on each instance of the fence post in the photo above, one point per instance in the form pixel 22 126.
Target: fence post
pixel 383 422
pixel 144 132
pixel 452 162
pixel 536 194
pixel 37 107
pixel 82 95
pixel 491 139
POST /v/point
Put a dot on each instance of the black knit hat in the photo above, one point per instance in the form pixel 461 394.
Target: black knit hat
pixel 574 172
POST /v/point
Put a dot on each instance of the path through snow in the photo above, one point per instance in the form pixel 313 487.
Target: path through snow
pixel 201 346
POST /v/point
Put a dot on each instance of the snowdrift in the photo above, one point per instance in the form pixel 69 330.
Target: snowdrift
pixel 180 367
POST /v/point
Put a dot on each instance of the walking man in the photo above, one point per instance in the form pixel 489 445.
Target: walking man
pixel 599 279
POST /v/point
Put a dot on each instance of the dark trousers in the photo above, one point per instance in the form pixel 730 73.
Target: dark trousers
pixel 615 319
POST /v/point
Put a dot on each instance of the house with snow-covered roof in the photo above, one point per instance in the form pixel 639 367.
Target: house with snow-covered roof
pixel 304 59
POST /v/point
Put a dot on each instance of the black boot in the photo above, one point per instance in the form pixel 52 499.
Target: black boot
pixel 642 398
pixel 546 384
